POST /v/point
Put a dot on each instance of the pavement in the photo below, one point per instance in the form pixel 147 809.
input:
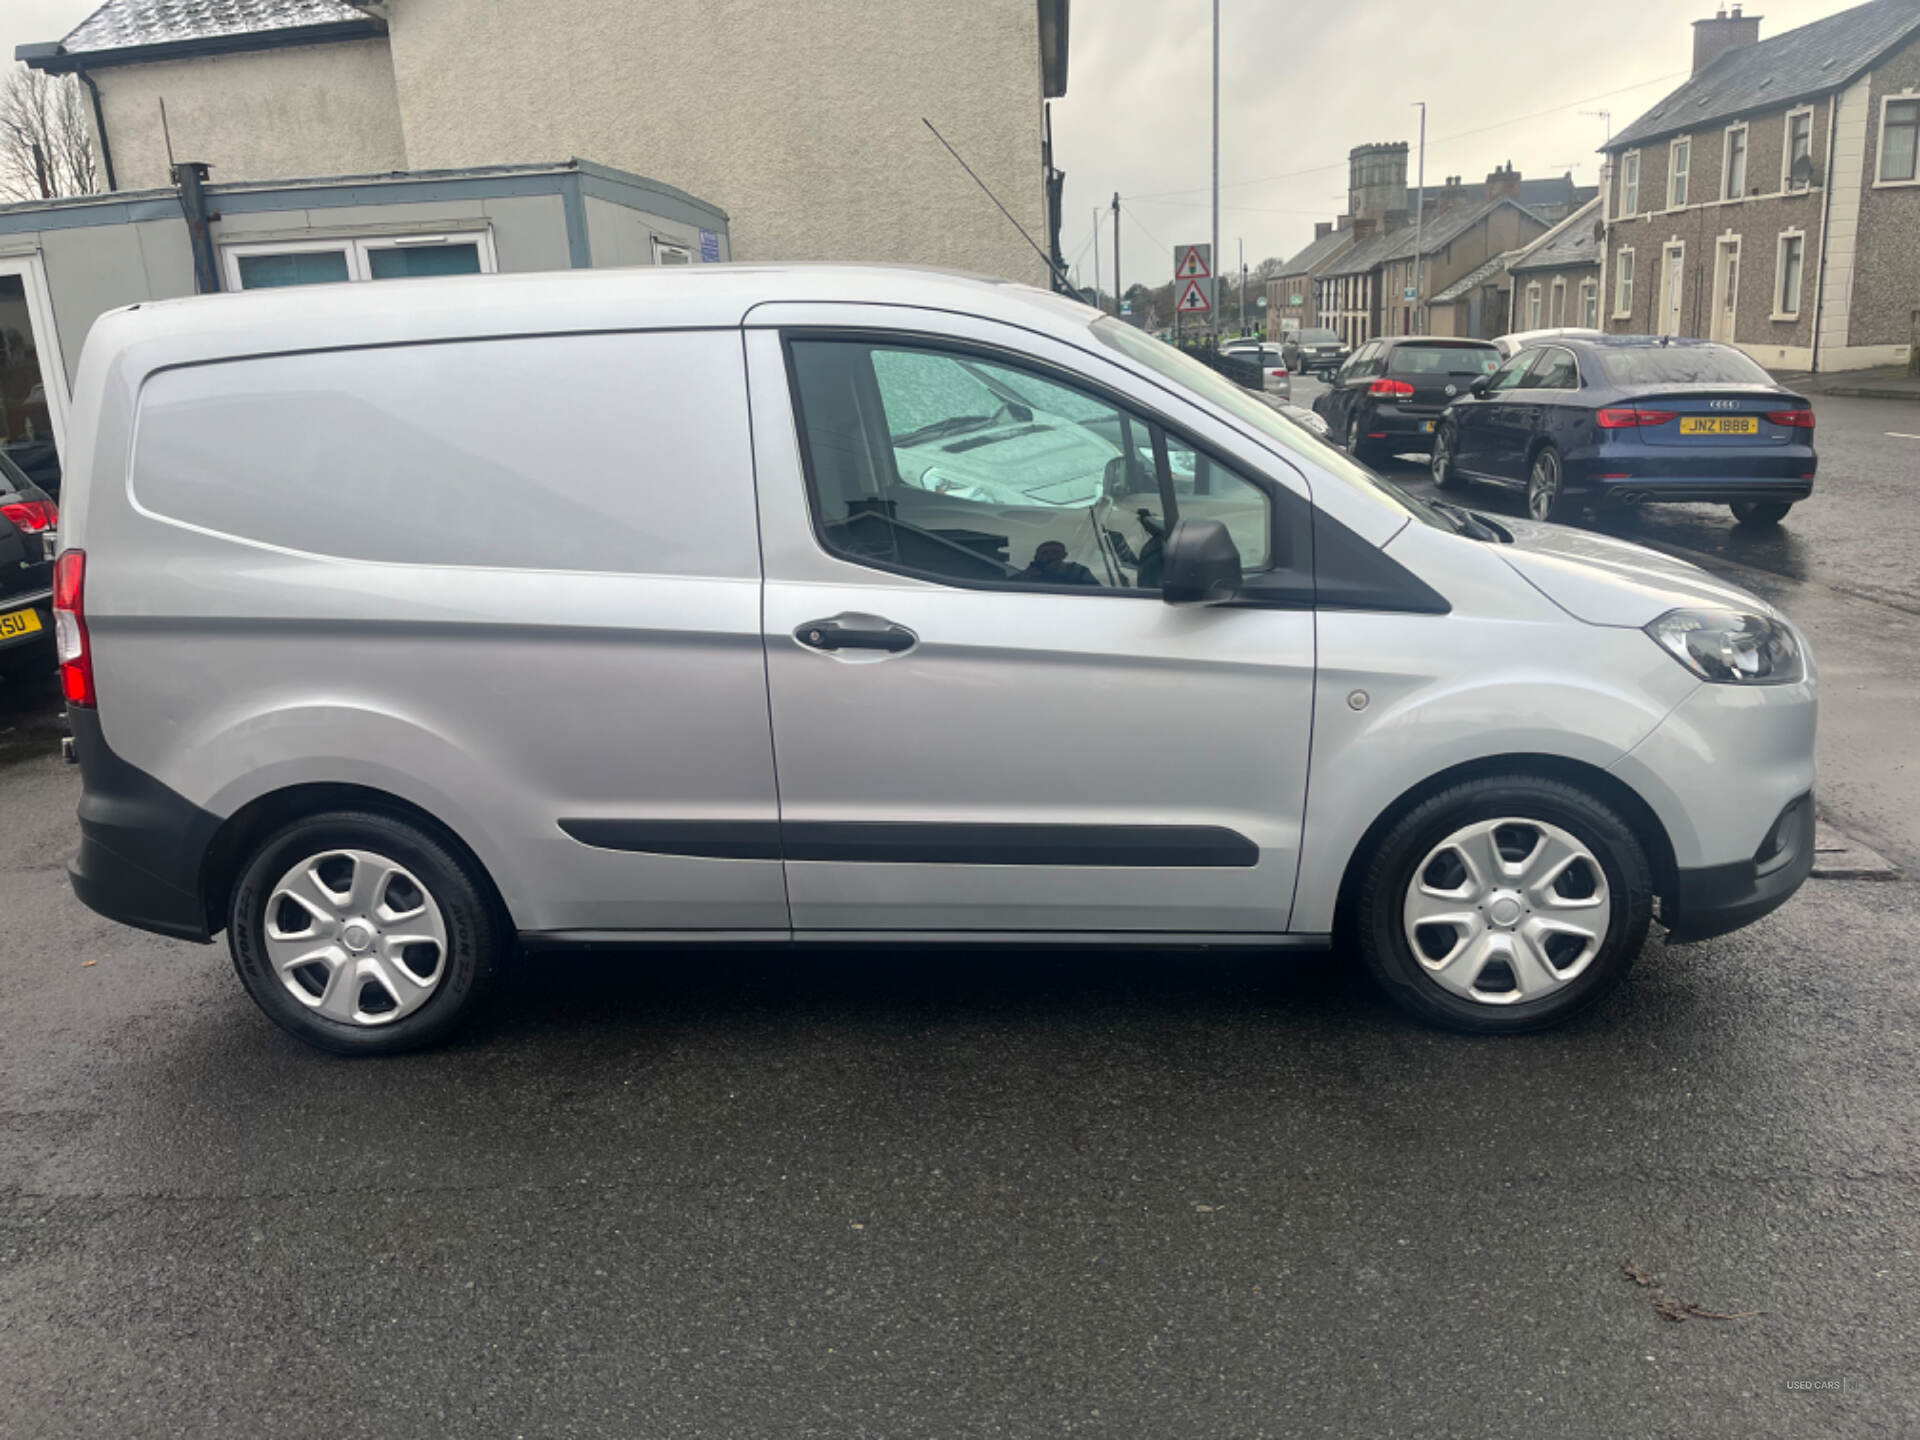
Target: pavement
pixel 905 1194
pixel 1884 382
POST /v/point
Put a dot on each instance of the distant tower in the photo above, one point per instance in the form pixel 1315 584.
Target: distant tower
pixel 1376 180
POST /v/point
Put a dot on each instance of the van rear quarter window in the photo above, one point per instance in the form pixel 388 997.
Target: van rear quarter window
pixel 581 452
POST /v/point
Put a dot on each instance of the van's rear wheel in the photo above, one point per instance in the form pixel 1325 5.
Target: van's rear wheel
pixel 1504 904
pixel 363 934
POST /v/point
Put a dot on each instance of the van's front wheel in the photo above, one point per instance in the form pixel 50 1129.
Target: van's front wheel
pixel 1504 904
pixel 363 934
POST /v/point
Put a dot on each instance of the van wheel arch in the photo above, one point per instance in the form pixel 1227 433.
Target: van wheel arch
pixel 242 833
pixel 1639 816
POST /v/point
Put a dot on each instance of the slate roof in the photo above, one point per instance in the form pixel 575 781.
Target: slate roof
pixel 1809 61
pixel 1571 244
pixel 1547 192
pixel 1367 253
pixel 1472 281
pixel 131 24
pixel 1317 253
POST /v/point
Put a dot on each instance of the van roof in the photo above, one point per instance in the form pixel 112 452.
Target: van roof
pixel 389 312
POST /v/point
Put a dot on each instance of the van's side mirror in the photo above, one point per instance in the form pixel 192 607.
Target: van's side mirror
pixel 1479 385
pixel 1202 564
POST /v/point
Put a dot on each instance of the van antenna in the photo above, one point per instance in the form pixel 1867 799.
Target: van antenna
pixel 166 135
pixel 1058 271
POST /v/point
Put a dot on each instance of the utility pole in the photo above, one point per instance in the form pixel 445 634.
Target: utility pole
pixel 1215 282
pixel 1419 221
pixel 1096 257
pixel 1118 293
pixel 1243 286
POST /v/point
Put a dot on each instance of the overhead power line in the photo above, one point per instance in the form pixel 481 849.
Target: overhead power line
pixel 1444 139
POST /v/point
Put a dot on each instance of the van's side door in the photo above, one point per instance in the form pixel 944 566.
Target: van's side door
pixel 985 718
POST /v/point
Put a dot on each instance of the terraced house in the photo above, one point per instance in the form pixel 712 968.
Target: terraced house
pixel 1773 200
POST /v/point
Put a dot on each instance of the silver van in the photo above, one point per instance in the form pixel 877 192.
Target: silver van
pixel 403 624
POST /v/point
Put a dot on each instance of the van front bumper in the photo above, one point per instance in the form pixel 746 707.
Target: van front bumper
pixel 1714 899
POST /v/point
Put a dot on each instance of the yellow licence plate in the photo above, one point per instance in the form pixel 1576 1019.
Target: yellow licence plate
pixel 20 622
pixel 1719 425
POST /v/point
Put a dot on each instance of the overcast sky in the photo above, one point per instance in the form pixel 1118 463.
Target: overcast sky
pixel 1301 83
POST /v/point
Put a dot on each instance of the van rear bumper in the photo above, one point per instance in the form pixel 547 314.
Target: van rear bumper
pixel 141 843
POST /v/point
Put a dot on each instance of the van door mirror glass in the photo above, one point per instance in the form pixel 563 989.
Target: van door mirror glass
pixel 1202 564
pixel 1479 385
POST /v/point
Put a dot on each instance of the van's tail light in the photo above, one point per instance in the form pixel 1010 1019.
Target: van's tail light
pixel 1279 374
pixel 1400 389
pixel 32 516
pixel 1626 417
pixel 1799 419
pixel 70 627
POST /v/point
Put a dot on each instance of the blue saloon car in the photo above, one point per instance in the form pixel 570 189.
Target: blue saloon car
pixel 1627 419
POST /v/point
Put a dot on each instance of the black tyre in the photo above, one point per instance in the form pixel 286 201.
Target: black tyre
pixel 363 934
pixel 1503 905
pixel 1760 512
pixel 1444 474
pixel 1547 489
pixel 1357 446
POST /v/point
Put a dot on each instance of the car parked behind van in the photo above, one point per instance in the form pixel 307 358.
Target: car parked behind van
pixel 835 605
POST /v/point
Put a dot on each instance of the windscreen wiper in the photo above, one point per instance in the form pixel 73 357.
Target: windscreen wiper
pixel 1465 522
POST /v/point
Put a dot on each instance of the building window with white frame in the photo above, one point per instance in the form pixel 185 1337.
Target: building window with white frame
pixel 1679 159
pixel 1799 145
pixel 1733 183
pixel 1533 306
pixel 269 264
pixel 1623 282
pixel 1789 267
pixel 1558 309
pixel 1590 304
pixel 1900 140
pixel 1630 183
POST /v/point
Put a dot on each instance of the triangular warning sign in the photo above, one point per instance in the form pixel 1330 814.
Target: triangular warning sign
pixel 1193 298
pixel 1191 266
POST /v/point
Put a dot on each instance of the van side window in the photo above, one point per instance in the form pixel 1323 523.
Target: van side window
pixel 958 468
pixel 623 453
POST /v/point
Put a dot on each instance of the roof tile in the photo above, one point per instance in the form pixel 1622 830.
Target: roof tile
pixel 127 24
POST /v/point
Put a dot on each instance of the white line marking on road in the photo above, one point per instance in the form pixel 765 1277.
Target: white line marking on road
pixel 1900 435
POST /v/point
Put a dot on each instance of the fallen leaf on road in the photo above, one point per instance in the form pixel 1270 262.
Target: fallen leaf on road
pixel 1208 1209
pixel 85 963
pixel 1639 1275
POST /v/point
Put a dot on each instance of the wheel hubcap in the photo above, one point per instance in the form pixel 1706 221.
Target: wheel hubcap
pixel 1546 483
pixel 356 937
pixel 1507 910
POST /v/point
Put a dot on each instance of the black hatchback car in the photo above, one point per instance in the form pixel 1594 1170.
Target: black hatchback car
pixel 1628 419
pixel 1389 397
pixel 1306 351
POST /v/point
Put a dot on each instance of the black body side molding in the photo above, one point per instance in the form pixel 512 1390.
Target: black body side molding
pixel 911 843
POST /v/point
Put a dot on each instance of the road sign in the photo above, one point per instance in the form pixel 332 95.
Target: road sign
pixel 1194 299
pixel 1296 299
pixel 1409 293
pixel 1192 262
pixel 1126 307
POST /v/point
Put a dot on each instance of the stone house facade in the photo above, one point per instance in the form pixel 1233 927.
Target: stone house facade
pixel 1760 205
pixel 1292 302
pixel 1556 281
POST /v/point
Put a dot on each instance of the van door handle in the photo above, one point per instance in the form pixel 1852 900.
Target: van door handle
pixel 832 635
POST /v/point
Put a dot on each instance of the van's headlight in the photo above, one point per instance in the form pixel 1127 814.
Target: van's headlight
pixel 1731 647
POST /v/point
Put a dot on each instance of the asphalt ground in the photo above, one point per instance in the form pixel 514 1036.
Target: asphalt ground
pixel 932 1194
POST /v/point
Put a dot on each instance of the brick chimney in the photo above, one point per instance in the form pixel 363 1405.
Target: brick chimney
pixel 1504 181
pixel 1452 194
pixel 1322 229
pixel 1714 38
pixel 1364 225
pixel 1397 220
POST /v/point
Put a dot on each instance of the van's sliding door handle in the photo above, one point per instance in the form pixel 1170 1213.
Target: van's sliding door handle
pixel 832 635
